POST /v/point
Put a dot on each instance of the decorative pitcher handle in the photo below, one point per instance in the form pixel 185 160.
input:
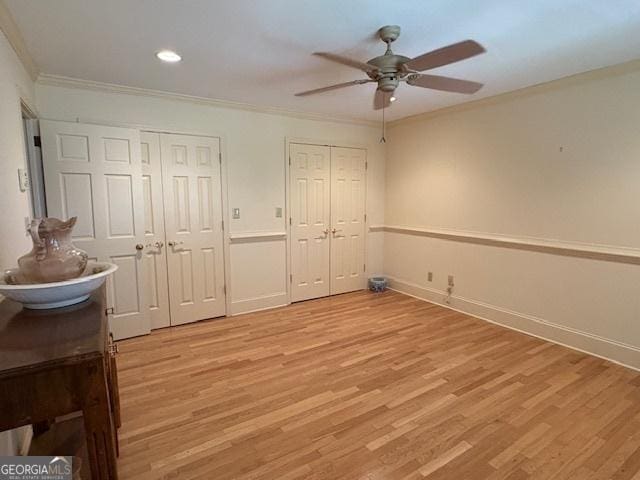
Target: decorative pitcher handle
pixel 38 242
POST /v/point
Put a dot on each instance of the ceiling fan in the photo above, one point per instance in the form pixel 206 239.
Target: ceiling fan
pixel 389 70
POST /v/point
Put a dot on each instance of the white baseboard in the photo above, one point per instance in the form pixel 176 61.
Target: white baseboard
pixel 614 351
pixel 256 304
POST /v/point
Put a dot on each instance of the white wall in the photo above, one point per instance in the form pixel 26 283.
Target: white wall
pixel 558 165
pixel 14 204
pixel 254 145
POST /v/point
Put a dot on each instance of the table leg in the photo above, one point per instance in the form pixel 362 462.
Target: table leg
pixel 99 426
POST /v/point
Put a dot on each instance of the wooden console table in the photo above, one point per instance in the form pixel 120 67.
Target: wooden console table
pixel 55 362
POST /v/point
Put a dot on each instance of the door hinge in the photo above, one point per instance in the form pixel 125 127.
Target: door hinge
pixel 365 218
pixel 291 278
pixel 224 289
pixel 289 160
pixel 37 141
pixel 366 165
pixel 220 157
pixel 289 220
pixel 365 267
pixel 222 222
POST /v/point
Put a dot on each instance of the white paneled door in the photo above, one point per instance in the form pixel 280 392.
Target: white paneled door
pixel 93 172
pixel 327 191
pixel 155 257
pixel 193 224
pixel 310 174
pixel 347 219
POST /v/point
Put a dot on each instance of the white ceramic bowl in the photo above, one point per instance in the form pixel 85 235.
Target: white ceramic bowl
pixel 59 294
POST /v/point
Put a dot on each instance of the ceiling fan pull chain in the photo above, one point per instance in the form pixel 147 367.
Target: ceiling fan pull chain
pixel 383 140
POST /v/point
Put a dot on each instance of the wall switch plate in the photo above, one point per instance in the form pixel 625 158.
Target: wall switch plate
pixel 430 276
pixel 278 212
pixel 23 179
pixel 236 213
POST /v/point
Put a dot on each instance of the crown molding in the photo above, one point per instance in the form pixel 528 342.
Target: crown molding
pixel 12 32
pixel 70 82
pixel 576 79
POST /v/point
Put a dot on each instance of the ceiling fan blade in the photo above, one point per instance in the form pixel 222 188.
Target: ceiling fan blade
pixel 365 67
pixel 446 84
pixel 332 87
pixel 381 99
pixel 445 55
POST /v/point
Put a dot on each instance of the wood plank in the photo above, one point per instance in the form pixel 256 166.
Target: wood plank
pixel 371 386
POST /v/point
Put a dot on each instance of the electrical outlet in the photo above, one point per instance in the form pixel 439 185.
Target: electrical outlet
pixel 278 212
pixel 236 213
pixel 430 277
pixel 450 281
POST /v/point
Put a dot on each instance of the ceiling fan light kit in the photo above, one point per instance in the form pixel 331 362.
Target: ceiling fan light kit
pixel 389 69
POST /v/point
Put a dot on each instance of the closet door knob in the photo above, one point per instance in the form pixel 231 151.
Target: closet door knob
pixel 173 243
pixel 139 246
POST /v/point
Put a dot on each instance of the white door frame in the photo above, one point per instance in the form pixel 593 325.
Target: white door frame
pixel 223 180
pixel 325 143
pixel 33 160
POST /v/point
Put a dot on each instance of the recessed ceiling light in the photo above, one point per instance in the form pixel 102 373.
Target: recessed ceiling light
pixel 392 99
pixel 168 56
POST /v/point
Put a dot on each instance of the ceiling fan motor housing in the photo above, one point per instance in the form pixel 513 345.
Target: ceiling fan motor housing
pixel 388 84
pixel 389 70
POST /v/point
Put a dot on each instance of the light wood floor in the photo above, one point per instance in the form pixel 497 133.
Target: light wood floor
pixel 361 386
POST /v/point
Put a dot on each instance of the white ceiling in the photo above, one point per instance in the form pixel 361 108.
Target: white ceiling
pixel 259 51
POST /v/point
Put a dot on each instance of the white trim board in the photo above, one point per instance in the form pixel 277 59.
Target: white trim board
pixel 614 351
pixel 12 32
pixel 246 237
pixel 607 253
pixel 78 83
pixel 575 79
pixel 256 304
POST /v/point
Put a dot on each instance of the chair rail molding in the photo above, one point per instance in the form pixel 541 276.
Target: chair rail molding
pixel 609 253
pixel 245 237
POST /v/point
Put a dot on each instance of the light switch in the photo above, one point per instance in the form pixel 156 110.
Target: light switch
pixel 23 179
pixel 278 212
pixel 236 213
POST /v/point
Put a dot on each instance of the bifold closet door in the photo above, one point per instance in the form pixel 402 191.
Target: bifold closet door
pixel 155 257
pixel 94 172
pixel 347 219
pixel 310 174
pixel 193 224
